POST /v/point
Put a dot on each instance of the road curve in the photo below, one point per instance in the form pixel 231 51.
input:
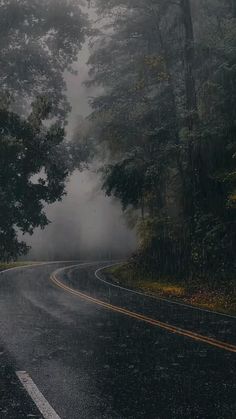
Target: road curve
pixel 92 362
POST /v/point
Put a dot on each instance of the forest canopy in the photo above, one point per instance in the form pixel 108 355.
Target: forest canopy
pixel 163 114
pixel 166 71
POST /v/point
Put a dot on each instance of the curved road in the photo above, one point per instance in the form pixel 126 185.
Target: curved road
pixel 93 354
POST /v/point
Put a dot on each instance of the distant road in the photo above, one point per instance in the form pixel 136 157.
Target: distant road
pixel 95 351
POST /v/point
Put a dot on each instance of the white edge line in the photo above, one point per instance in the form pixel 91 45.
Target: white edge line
pixel 66 268
pixel 141 293
pixel 42 404
pixel 37 264
pixel 156 298
pixel 57 262
pixel 21 266
pixel 117 286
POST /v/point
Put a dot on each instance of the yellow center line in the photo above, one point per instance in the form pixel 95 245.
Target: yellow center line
pixel 172 329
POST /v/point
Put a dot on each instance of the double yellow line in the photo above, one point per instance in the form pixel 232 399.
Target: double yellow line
pixel 172 329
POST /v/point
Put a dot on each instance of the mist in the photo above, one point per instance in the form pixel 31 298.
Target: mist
pixel 86 224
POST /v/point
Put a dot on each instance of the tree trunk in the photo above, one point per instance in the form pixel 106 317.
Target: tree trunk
pixel 234 8
pixel 189 58
pixel 164 53
pixel 194 160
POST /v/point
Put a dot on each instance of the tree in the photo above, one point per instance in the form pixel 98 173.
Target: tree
pixel 40 40
pixel 167 115
pixel 34 167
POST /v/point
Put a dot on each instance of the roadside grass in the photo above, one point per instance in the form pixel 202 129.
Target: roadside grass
pixel 216 296
pixel 6 265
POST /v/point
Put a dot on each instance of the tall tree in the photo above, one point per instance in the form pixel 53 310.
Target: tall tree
pixel 34 167
pixel 166 113
pixel 40 40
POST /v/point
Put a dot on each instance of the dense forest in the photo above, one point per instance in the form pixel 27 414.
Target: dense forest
pixel 117 209
pixel 166 72
pixel 162 118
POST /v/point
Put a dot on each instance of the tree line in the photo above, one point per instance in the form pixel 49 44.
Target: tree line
pixel 163 120
pixel 165 114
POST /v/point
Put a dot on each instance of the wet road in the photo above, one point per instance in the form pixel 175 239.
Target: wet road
pixel 93 362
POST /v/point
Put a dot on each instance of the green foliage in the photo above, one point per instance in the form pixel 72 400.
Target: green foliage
pixel 212 246
pixel 34 163
pixel 130 179
pixel 167 116
pixel 40 39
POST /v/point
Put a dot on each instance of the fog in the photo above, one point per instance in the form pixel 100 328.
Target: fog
pixel 86 224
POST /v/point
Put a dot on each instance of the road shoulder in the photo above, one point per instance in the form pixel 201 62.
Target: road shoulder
pixel 215 300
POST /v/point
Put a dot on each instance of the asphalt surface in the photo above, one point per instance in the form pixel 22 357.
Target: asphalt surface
pixel 92 362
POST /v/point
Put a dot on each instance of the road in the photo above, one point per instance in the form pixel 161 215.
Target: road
pixel 91 360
